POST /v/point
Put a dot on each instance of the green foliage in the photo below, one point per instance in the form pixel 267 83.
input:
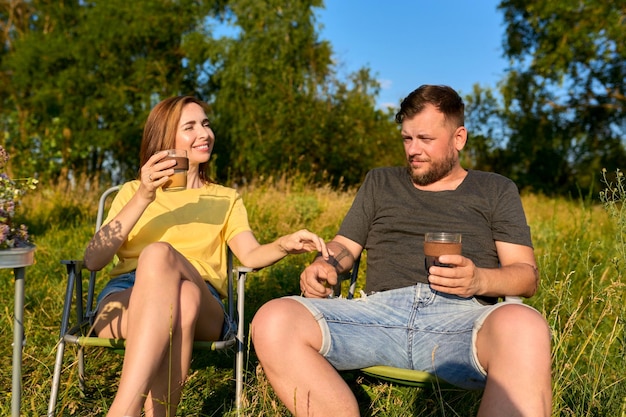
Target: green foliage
pixel 79 78
pixel 581 294
pixel 614 198
pixel 564 102
pixel 483 118
pixel 279 108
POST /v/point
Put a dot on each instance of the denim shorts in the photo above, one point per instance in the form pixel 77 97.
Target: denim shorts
pixel 125 281
pixel 411 328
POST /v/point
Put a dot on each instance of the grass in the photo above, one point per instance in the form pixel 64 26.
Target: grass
pixel 580 252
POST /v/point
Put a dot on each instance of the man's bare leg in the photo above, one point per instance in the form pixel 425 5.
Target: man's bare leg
pixel 514 348
pixel 287 340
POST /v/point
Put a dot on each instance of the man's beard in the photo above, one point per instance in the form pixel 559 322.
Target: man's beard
pixel 438 170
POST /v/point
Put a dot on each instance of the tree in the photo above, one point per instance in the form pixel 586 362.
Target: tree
pixel 280 109
pixel 79 78
pixel 564 96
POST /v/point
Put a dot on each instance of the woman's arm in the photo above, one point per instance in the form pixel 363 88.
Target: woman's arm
pixel 106 242
pixel 254 255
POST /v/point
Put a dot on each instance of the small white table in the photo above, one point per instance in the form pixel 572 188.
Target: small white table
pixel 18 259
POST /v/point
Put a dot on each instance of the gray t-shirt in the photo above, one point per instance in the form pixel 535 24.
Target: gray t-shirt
pixel 389 218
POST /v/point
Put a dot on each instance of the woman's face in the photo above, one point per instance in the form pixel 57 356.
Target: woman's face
pixel 194 134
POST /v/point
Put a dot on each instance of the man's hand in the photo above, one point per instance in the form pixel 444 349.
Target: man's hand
pixel 317 280
pixel 460 279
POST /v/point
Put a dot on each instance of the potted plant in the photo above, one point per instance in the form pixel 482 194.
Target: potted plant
pixel 16 248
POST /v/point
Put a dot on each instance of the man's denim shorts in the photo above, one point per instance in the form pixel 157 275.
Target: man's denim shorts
pixel 412 328
pixel 127 280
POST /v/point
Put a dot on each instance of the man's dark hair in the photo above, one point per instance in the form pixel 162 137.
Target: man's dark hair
pixel 444 98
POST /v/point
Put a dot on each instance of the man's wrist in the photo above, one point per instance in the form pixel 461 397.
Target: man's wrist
pixel 331 261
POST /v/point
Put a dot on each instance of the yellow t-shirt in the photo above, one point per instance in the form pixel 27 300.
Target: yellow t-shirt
pixel 197 222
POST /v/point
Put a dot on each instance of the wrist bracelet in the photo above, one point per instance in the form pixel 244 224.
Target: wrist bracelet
pixel 331 260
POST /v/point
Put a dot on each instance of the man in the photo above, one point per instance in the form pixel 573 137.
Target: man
pixel 445 320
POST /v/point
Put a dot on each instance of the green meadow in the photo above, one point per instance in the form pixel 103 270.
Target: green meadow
pixel 580 248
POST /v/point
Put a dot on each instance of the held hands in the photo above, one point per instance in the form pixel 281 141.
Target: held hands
pixel 154 174
pixel 460 279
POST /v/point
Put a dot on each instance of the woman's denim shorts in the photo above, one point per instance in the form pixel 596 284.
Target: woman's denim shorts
pixel 125 281
pixel 412 328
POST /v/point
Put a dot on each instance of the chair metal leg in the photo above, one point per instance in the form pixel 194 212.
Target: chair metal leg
pixel 18 341
pixel 73 274
pixel 56 378
pixel 81 368
pixel 239 356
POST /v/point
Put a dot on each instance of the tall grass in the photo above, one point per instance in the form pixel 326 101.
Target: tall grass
pixel 580 252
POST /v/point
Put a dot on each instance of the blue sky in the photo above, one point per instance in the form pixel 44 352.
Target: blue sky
pixel 407 43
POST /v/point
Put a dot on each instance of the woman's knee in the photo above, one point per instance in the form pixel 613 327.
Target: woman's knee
pixel 156 264
pixel 155 255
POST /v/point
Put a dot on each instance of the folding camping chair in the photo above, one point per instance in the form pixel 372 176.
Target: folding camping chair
pixel 78 332
pixel 402 376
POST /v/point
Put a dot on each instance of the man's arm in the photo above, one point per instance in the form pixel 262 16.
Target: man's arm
pixel 318 278
pixel 516 276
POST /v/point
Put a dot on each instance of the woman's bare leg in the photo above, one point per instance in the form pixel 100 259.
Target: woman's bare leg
pixel 175 367
pixel 154 307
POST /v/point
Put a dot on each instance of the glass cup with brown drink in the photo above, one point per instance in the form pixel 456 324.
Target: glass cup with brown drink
pixel 440 243
pixel 178 181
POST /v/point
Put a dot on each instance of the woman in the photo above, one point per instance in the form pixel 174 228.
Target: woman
pixel 171 247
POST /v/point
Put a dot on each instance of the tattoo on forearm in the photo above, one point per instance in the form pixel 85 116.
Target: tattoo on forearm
pixel 344 252
pixel 335 260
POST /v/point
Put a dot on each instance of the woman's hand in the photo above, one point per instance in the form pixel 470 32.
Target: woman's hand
pixel 154 174
pixel 303 241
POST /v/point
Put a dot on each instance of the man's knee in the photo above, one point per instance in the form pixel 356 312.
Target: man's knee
pixel 269 320
pixel 514 327
pixel 282 322
pixel 517 319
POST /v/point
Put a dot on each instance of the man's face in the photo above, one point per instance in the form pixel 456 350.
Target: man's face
pixel 431 146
